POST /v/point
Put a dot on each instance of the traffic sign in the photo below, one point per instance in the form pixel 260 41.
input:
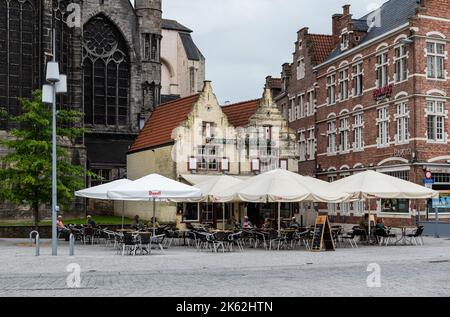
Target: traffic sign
pixel 442 202
pixel 428 180
pixel 428 175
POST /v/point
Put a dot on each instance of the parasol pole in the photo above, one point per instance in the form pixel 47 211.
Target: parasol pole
pixel 223 216
pixel 279 219
pixel 123 212
pixel 154 217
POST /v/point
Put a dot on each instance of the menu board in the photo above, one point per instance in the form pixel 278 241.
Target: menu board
pixel 322 238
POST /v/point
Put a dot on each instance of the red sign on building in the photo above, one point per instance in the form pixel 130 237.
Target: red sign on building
pixel 382 93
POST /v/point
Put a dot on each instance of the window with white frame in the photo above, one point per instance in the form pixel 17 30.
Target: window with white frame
pixel 332 207
pixel 301 69
pixel 358 131
pixel 332 137
pixel 207 158
pixel 343 84
pixel 331 89
pixel 207 129
pixel 358 207
pixel 436 60
pixel 311 106
pixel 436 120
pixel 358 79
pixel 345 207
pixel 402 122
pixel 401 63
pixel 344 40
pixel 343 133
pixel 293 110
pixel 311 144
pixel 382 70
pixel 301 106
pixel 383 126
pixel 302 145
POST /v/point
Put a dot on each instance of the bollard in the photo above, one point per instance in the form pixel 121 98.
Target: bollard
pixel 37 253
pixel 72 245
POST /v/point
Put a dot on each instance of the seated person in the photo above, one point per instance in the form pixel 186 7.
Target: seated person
pixel 154 220
pixel 137 224
pixel 364 226
pixel 267 224
pixel 364 222
pixel 247 224
pixel 380 225
pixel 65 232
pixel 294 224
pixel 90 222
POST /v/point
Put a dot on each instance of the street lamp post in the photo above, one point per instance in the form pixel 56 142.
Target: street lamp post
pixel 57 85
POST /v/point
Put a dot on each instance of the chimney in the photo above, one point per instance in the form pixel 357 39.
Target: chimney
pixel 336 28
pixel 346 9
pixel 207 86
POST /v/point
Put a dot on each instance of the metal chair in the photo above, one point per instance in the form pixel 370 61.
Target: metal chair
pixel 159 240
pixel 416 237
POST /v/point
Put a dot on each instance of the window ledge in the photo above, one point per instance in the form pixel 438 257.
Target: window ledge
pixel 437 79
pixel 397 214
pixel 401 82
pixel 436 142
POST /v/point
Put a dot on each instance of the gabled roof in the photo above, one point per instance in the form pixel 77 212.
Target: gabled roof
pixel 174 25
pixel 166 117
pixel 393 14
pixel 192 51
pixel 239 113
pixel 322 45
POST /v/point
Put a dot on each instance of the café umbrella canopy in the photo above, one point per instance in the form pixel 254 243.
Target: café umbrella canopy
pixel 216 186
pixel 154 188
pixel 101 192
pixel 374 185
pixel 278 186
pixel 371 184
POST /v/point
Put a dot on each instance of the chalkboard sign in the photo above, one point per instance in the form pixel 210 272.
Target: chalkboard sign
pixel 322 238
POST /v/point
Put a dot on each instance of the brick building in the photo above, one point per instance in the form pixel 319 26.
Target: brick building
pixel 111 57
pixel 381 100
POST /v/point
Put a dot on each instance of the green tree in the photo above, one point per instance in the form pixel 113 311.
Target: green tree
pixel 26 176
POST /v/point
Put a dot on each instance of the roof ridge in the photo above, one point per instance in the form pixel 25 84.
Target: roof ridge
pixel 176 100
pixel 318 34
pixel 241 102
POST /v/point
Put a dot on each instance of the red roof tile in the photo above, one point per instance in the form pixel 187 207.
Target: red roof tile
pixel 322 46
pixel 166 117
pixel 239 113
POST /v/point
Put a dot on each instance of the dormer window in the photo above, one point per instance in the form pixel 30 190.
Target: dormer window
pixel 344 39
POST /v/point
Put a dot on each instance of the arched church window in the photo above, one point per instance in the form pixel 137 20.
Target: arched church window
pixel 106 73
pixel 63 44
pixel 18 21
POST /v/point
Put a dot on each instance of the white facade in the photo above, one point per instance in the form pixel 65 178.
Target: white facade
pixel 183 65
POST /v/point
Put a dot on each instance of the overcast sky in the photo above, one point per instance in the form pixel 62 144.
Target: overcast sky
pixel 246 40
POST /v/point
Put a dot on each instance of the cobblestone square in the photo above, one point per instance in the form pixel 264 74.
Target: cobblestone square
pixel 182 271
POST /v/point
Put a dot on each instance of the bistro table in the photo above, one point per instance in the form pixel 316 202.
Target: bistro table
pixel 404 230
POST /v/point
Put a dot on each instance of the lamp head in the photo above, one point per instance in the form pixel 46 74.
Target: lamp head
pixel 52 72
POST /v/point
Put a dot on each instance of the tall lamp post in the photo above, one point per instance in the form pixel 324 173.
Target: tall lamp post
pixel 57 84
